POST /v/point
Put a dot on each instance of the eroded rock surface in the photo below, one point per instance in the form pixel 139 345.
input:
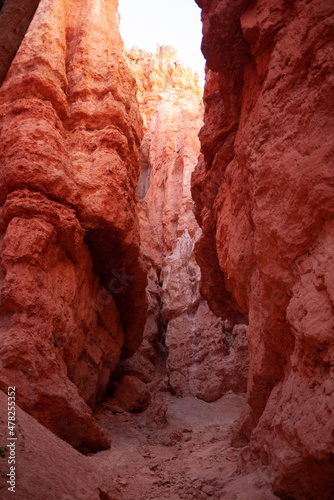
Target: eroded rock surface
pixel 48 467
pixel 204 357
pixel 264 197
pixel 72 285
pixel 132 394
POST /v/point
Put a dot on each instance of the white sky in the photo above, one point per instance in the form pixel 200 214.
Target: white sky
pixel 145 23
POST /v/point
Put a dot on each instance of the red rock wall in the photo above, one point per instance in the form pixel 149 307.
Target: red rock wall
pixel 205 358
pixel 72 286
pixel 264 196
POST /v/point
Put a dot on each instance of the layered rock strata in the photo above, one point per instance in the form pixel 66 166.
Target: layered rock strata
pixel 264 196
pixel 72 285
pixel 205 355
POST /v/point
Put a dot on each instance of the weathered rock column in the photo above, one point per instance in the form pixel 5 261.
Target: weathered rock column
pixel 72 285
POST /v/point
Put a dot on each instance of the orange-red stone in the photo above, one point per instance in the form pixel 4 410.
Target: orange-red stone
pixel 72 285
pixel 264 197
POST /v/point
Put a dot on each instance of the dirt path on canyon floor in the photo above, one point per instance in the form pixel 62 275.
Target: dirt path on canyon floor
pixel 179 448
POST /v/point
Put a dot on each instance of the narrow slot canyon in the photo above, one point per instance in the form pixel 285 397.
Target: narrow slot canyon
pixel 166 256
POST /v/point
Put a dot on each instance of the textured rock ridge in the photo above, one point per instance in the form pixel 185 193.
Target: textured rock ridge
pixel 159 72
pixel 264 197
pixel 205 355
pixel 72 285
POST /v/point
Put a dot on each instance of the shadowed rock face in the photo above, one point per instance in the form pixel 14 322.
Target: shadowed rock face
pixel 15 18
pixel 264 196
pixel 72 286
pixel 49 467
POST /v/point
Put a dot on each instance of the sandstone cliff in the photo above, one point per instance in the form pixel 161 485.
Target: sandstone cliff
pixel 264 197
pixel 205 356
pixel 72 286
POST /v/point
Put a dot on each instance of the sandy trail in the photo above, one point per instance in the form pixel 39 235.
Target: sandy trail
pixel 176 449
pixel 189 458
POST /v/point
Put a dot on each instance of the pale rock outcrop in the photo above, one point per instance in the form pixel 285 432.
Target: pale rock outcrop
pixel 207 358
pixel 264 197
pixel 72 285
